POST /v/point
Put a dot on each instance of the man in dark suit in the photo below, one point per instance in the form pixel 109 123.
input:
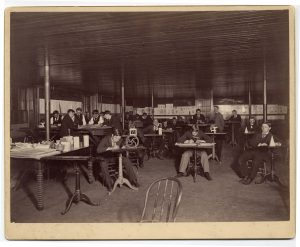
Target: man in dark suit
pixel 252 125
pixel 147 123
pixel 191 136
pixel 198 117
pixel 68 125
pixel 107 143
pixel 236 118
pixel 258 153
pixel 112 121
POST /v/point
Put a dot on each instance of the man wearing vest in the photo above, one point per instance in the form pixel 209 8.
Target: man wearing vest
pixel 96 118
pixel 79 117
pixel 55 119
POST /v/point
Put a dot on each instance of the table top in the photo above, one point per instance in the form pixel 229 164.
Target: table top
pixel 125 149
pixel 200 124
pixel 93 126
pixel 168 131
pixel 232 122
pixel 152 135
pixel 195 145
pixel 218 133
pixel 32 153
pixel 52 127
pixel 39 153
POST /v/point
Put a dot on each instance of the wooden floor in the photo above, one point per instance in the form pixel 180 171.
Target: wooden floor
pixel 222 199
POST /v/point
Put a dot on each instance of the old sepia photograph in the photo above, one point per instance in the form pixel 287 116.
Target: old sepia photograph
pixel 150 115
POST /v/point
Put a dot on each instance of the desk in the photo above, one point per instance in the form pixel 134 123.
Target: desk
pixel 121 180
pixel 95 132
pixel 77 195
pixel 271 176
pixel 38 156
pixel 195 146
pixel 233 124
pixel 213 135
pixel 39 133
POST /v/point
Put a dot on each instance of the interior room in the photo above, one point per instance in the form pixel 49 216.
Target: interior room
pixel 105 104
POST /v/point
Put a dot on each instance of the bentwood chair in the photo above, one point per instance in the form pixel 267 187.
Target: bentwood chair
pixel 162 200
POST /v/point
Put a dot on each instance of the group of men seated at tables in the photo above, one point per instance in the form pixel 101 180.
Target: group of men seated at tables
pixel 183 133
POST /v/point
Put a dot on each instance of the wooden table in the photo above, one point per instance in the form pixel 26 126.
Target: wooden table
pixel 121 180
pixel 271 176
pixel 74 156
pixel 38 157
pixel 95 132
pixel 195 147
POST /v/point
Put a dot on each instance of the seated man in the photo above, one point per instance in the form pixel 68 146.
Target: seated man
pixel 68 125
pixel 112 121
pixel 79 117
pixel 190 136
pixel 252 125
pixel 96 118
pixel 55 119
pixel 198 117
pixel 258 154
pixel 107 143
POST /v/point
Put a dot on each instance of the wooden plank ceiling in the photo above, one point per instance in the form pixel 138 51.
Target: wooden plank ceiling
pixel 182 54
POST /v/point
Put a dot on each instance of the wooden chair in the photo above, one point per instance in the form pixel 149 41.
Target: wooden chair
pixel 162 200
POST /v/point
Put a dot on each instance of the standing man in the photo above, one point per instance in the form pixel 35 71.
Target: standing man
pixel 68 125
pixel 147 123
pixel 236 118
pixel 218 120
pixel 79 117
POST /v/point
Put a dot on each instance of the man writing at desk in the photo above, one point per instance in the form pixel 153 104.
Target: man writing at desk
pixel 194 135
pixel 109 142
pixel 258 153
